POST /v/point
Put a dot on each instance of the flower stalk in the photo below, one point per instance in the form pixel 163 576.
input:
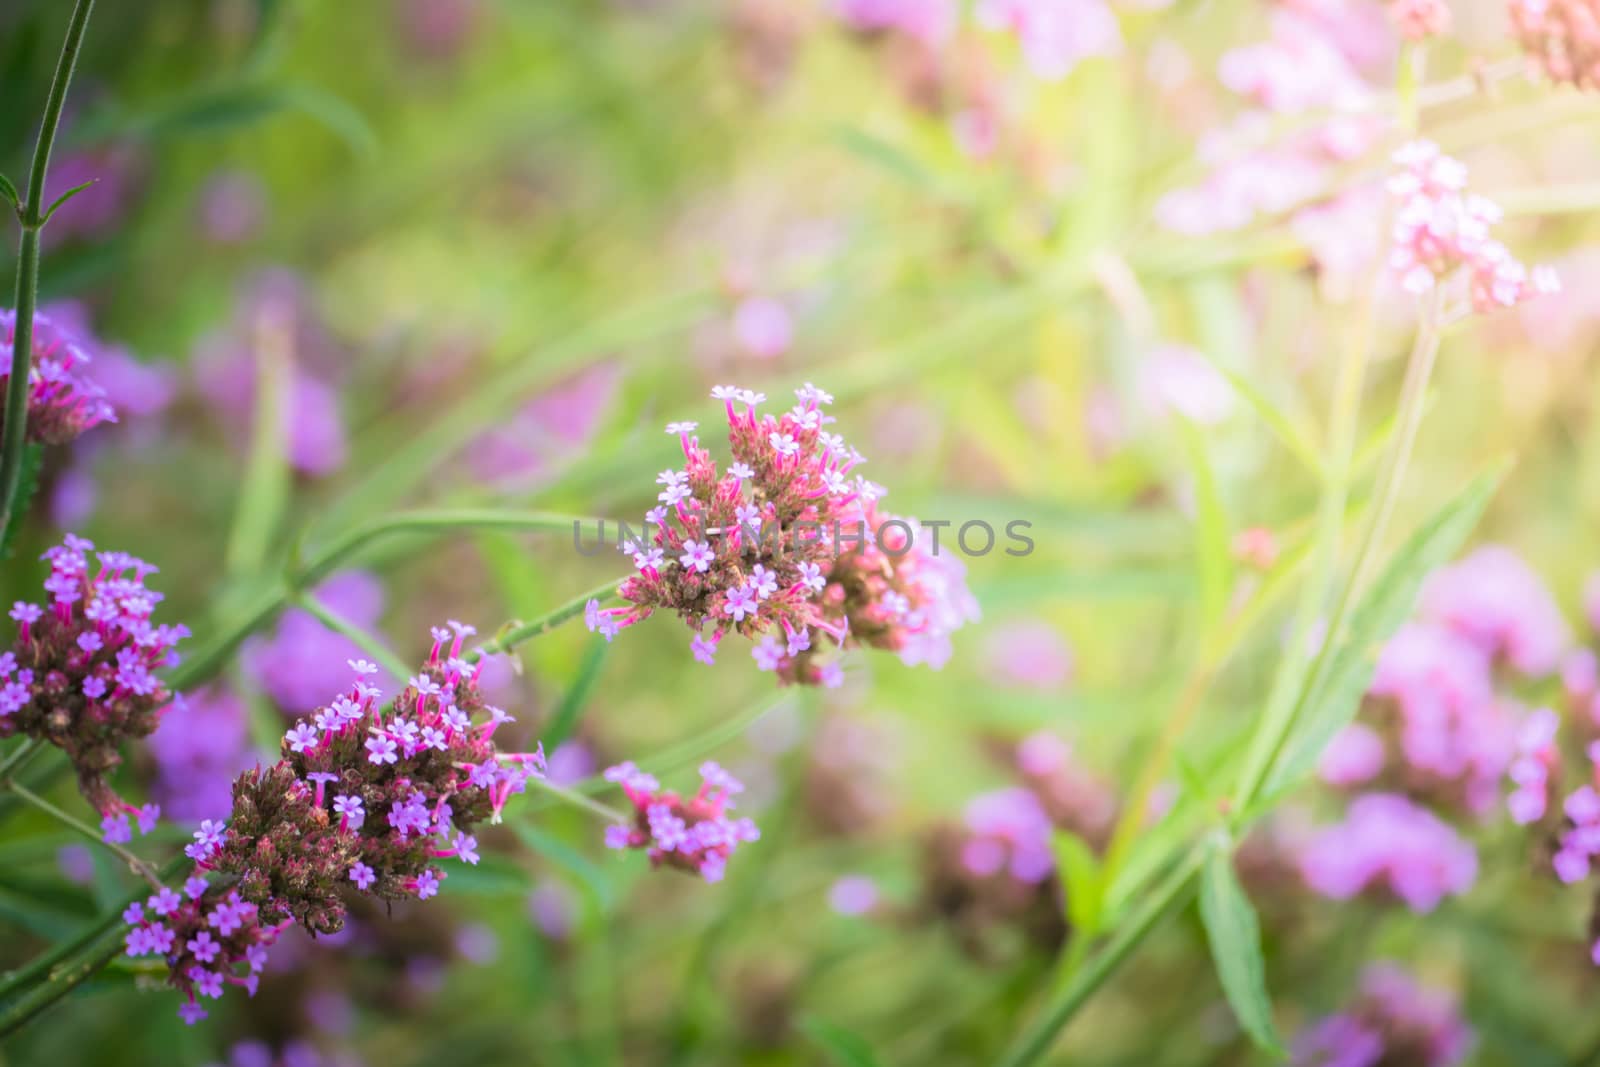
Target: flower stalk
pixel 31 214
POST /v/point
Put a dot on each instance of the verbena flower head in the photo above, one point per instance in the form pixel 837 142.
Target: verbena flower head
pixel 82 672
pixel 1498 602
pixel 367 797
pixel 1441 231
pixel 1432 705
pixel 787 548
pixel 63 401
pixel 1388 842
pixel 1010 832
pixel 692 833
pixel 1561 38
pixel 210 937
pixel 1055 35
pixel 1393 1020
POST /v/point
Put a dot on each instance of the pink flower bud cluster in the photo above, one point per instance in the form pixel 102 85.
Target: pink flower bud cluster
pixel 1393 1021
pixel 81 674
pixel 693 834
pixel 786 548
pixel 1417 20
pixel 62 401
pixel 1561 38
pixel 1255 169
pixel 366 798
pixel 1441 230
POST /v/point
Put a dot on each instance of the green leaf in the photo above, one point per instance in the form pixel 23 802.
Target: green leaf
pixel 1282 426
pixel 63 198
pixel 1213 555
pixel 231 105
pixel 845 1048
pixel 565 719
pixel 1080 882
pixel 10 193
pixel 489 877
pixel 1235 939
pixel 27 486
pixel 887 157
pixel 1384 607
pixel 569 859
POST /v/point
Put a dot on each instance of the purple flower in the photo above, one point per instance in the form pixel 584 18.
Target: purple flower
pixel 302 738
pixel 203 947
pixel 363 876
pixel 382 750
pixel 1387 839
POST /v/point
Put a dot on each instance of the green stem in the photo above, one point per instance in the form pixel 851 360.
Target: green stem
pixel 1036 1041
pixel 367 642
pixel 31 216
pixel 78 826
pixel 20 755
pixel 210 659
pixel 1413 396
pixel 69 965
pixel 518 633
pixel 578 800
pixel 1292 681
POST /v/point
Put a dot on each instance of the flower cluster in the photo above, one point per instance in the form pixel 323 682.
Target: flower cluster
pixel 366 797
pixel 787 548
pixel 1418 20
pixel 81 674
pixel 62 401
pixel 1055 35
pixel 1386 839
pixel 1437 730
pixel 1303 67
pixel 693 834
pixel 1441 229
pixel 210 937
pixel 1009 831
pixel 1561 38
pixel 1433 727
pixel 1393 1020
pixel 996 872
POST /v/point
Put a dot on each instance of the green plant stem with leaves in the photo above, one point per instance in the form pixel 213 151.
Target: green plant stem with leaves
pixel 305 575
pixel 1290 699
pixel 32 215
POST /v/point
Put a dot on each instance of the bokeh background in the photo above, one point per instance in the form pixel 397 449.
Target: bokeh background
pixel 488 247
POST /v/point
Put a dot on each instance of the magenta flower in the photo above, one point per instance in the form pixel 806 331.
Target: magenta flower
pixel 1386 841
pixel 62 401
pixel 788 548
pixel 693 834
pixel 86 698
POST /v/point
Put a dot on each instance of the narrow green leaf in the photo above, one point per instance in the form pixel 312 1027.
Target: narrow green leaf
pixel 847 1049
pixel 1282 426
pixel 569 859
pixel 1080 882
pixel 228 106
pixel 1213 556
pixel 10 193
pixel 64 197
pixel 1235 939
pixel 887 157
pixel 565 719
pixel 27 486
pixel 1379 614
